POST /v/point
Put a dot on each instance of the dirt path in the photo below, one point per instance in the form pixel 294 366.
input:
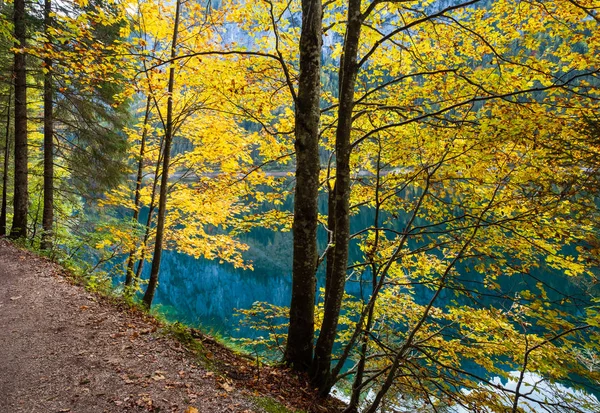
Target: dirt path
pixel 61 350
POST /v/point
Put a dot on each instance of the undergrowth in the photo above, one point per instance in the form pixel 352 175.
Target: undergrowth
pixel 183 334
pixel 270 405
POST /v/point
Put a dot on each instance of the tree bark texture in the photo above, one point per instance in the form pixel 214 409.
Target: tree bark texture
pixel 336 278
pixel 299 348
pixel 48 212
pixel 20 200
pixel 164 182
pixel 5 166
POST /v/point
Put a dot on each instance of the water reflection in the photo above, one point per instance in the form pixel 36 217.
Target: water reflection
pixel 201 292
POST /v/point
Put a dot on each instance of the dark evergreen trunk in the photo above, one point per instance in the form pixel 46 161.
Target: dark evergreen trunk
pixel 299 348
pixel 5 167
pixel 20 200
pixel 164 182
pixel 48 212
pixel 336 278
pixel 129 276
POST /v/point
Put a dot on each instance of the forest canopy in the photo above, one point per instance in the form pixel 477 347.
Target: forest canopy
pixel 436 163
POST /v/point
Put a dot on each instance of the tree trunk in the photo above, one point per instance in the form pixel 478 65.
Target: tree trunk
pixel 140 267
pixel 357 385
pixel 129 276
pixel 299 347
pixel 20 200
pixel 320 369
pixel 48 212
pixel 5 168
pixel 164 182
pixel 151 208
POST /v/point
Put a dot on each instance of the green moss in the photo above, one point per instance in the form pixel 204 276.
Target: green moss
pixel 272 406
pixel 182 333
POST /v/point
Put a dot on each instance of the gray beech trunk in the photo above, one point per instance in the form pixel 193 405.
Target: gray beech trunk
pixel 48 212
pixel 339 203
pixel 299 348
pixel 20 200
pixel 164 182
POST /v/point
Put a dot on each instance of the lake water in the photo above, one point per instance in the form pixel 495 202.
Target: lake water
pixel 206 293
pixel 202 292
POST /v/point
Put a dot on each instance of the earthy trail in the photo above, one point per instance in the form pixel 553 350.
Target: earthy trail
pixel 63 350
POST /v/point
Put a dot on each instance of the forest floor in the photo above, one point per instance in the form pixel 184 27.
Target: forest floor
pixel 63 349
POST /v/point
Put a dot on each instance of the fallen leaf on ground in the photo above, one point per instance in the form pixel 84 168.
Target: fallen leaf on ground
pixel 226 386
pixel 158 376
pixel 191 410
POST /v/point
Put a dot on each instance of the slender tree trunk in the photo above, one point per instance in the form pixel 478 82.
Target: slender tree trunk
pixel 151 208
pixel 48 212
pixel 129 277
pixel 164 182
pixel 331 226
pixel 299 347
pixel 5 168
pixel 320 369
pixel 20 201
pixel 140 267
pixel 357 384
pixel 36 217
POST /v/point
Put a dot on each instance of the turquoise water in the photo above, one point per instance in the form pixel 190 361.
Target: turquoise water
pixel 206 293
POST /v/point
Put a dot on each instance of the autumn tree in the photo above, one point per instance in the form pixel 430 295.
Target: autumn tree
pixel 423 111
pixel 209 146
pixel 166 159
pixel 340 200
pixel 449 122
pixel 130 275
pixel 299 350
